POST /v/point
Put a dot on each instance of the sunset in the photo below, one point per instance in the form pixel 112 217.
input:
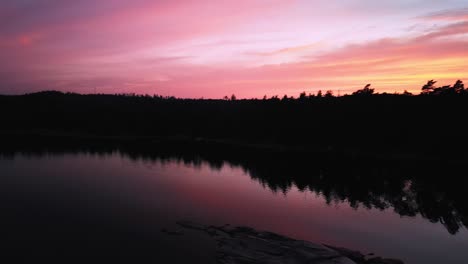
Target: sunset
pixel 250 48
pixel 234 131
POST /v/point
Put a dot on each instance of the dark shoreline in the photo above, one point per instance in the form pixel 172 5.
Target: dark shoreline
pixel 51 139
pixel 247 245
pixel 388 127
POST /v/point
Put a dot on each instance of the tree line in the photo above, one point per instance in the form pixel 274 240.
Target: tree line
pixel 428 89
pixel 430 124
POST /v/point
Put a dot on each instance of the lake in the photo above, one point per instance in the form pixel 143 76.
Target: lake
pixel 60 204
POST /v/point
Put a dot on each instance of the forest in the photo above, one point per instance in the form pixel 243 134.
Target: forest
pixel 427 126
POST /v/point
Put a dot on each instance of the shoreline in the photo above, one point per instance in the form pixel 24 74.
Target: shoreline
pixel 235 244
pixel 53 138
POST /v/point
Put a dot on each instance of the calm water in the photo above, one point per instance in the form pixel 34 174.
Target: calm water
pixel 49 198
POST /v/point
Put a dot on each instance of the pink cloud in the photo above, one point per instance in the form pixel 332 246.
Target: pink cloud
pixel 255 48
pixel 390 64
pixel 448 15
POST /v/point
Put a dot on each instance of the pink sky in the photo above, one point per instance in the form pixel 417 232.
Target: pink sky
pixel 212 48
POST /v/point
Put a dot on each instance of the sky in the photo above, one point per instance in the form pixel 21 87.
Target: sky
pixel 213 48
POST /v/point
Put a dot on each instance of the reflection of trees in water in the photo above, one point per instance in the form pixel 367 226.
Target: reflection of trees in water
pixel 434 192
pixel 438 199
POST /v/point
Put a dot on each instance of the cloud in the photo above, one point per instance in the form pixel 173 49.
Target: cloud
pixel 89 28
pixel 448 15
pixel 289 50
pixel 213 48
pixel 453 29
pixel 391 64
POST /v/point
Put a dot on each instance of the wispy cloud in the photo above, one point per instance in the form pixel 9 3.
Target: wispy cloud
pixel 288 50
pixel 448 15
pixel 212 48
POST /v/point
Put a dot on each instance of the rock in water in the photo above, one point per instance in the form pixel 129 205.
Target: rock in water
pixel 245 245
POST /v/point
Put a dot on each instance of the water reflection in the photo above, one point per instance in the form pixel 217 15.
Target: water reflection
pixel 434 191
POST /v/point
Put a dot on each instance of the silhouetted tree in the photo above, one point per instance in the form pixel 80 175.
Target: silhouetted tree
pixel 459 87
pixel 302 96
pixel 365 91
pixel 319 94
pixel 275 98
pixel 329 94
pixel 443 90
pixel 429 87
pixel 233 97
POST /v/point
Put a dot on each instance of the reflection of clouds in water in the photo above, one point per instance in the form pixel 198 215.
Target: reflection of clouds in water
pixel 407 190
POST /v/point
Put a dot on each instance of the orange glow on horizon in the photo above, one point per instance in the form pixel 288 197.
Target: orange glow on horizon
pixel 249 48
